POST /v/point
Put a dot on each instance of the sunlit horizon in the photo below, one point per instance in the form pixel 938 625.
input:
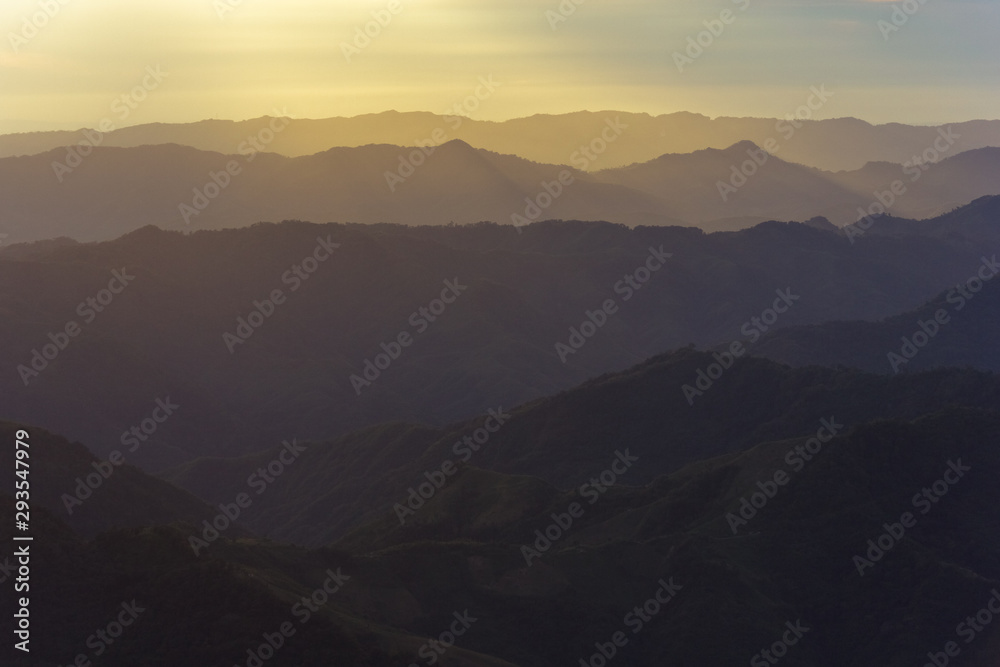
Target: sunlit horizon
pixel 240 59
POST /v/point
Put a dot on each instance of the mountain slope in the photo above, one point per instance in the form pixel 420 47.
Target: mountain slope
pixel 94 495
pixel 725 589
pixel 701 186
pixel 124 558
pixel 795 561
pixel 570 438
pixel 956 328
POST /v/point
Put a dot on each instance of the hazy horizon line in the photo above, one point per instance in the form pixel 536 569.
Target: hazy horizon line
pixel 48 126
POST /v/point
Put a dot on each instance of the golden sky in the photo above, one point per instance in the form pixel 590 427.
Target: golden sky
pixel 66 62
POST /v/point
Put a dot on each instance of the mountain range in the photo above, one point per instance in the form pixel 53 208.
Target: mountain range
pixel 840 144
pixel 112 191
pixel 506 559
pixel 589 389
pixel 181 328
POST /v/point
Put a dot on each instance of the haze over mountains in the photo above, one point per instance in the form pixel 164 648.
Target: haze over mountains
pixel 112 191
pixel 552 276
pixel 960 323
pixel 660 535
pixel 373 386
pixel 841 144
pixel 562 440
pixel 190 324
pixel 522 293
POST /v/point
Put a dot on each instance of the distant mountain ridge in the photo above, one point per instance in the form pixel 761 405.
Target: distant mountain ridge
pixel 956 328
pixel 113 191
pixel 562 439
pixel 537 539
pixel 835 144
pixel 476 551
pixel 521 295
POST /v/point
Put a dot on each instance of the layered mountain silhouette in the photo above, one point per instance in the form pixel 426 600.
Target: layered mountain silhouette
pixel 671 526
pixel 563 441
pixel 113 191
pixel 957 328
pixel 835 144
pixel 564 389
pixel 197 319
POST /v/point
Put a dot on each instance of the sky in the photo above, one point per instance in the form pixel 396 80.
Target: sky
pixel 68 63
